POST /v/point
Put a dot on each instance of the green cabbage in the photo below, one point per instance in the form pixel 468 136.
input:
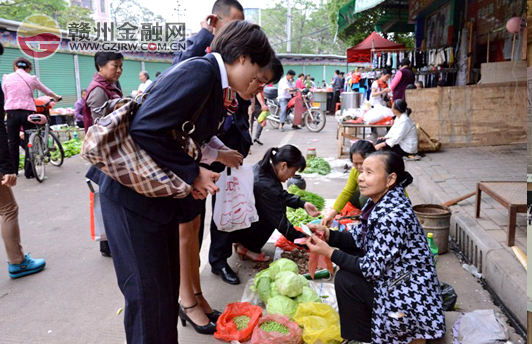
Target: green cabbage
pixel 263 288
pixel 273 290
pixel 288 283
pixel 304 281
pixel 282 305
pixel 308 295
pixel 282 264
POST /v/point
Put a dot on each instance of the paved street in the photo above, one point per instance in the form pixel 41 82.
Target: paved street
pixel 75 299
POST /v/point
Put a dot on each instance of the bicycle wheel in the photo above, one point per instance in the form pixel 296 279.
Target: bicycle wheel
pixel 56 152
pixel 315 121
pixel 36 150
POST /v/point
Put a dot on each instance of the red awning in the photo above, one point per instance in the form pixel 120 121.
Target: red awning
pixel 362 51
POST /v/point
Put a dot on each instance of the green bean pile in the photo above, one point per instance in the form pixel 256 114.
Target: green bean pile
pixel 241 322
pixel 274 326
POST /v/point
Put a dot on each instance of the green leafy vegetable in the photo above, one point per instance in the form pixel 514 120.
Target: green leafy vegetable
pixel 308 196
pixel 274 326
pixel 273 290
pixel 304 281
pixel 317 165
pixel 264 288
pixel 299 216
pixel 288 283
pixel 282 305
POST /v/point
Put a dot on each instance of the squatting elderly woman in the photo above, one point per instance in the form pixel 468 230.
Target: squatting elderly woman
pixel 387 287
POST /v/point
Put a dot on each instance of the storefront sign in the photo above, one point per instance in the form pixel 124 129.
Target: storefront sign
pixel 362 5
pixel 416 6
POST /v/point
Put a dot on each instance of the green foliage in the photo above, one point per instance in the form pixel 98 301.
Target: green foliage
pixel 59 10
pixel 21 159
pixel 311 31
pixel 133 12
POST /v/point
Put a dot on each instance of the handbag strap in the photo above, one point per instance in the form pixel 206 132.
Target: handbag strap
pixel 194 119
pixel 31 89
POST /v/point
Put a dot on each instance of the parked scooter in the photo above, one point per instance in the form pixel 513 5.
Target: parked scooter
pixel 313 118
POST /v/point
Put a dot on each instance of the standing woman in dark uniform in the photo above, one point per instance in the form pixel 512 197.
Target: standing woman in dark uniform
pixel 143 232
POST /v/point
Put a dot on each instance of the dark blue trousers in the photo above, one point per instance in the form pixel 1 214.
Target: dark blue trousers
pixel 146 259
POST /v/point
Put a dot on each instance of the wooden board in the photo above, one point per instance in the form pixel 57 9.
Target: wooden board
pixel 497 72
pixel 478 115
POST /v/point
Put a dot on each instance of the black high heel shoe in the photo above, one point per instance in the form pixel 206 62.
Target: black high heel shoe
pixel 212 316
pixel 210 328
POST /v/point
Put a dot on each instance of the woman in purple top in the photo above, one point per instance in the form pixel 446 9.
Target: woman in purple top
pixel 78 109
pixel 18 89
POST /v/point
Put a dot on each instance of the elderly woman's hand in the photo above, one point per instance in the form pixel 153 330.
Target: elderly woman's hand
pixel 319 228
pixel 318 246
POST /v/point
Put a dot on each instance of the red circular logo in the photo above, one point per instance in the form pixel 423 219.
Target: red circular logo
pixel 39 36
pixel 152 46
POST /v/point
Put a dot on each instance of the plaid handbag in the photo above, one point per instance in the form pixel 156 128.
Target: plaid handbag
pixel 109 147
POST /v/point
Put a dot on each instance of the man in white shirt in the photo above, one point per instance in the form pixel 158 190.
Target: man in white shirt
pixel 145 82
pixel 286 86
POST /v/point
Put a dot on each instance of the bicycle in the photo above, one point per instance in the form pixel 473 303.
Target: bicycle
pixel 43 145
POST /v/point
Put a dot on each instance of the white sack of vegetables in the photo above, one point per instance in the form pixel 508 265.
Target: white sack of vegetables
pixel 289 284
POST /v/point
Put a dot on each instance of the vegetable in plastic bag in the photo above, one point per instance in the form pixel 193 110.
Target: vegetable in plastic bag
pixel 288 283
pixel 320 322
pixel 262 337
pixel 281 305
pixel 282 264
pixel 226 329
pixel 308 295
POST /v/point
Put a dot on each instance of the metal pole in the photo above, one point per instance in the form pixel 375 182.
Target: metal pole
pixel 76 73
pixel 289 28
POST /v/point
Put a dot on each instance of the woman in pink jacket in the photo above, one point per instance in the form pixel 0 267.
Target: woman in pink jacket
pixel 19 88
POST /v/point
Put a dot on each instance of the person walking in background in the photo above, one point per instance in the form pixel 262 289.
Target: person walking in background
pixel 19 265
pixel 259 105
pixel 403 78
pixel 145 82
pixel 78 109
pixel 286 87
pixel 18 88
pixel 102 88
pixel 223 11
pixel 337 85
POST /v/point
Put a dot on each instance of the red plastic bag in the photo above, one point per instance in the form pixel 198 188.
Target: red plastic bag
pixel 287 245
pixel 262 337
pixel 385 121
pixel 349 210
pixel 226 327
pixel 317 261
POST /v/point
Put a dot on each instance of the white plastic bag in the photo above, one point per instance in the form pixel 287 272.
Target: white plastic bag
pixel 481 326
pixel 377 114
pixel 234 208
pixel 96 219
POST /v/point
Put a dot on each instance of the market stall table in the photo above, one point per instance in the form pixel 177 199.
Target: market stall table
pixel 510 195
pixel 343 134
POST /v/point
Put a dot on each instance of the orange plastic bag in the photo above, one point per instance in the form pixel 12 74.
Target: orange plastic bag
pixel 287 245
pixel 349 210
pixel 385 121
pixel 226 327
pixel 318 261
pixel 262 337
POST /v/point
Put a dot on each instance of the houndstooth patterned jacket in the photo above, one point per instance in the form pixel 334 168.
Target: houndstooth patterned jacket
pixel 407 298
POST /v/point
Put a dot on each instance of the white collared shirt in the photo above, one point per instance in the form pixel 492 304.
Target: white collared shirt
pixel 404 133
pixel 284 85
pixel 143 86
pixel 223 71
